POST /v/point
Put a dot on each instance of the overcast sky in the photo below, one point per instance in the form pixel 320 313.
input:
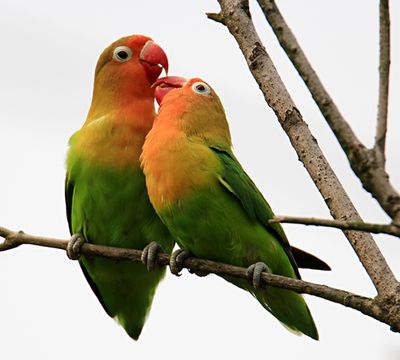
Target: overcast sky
pixel 48 54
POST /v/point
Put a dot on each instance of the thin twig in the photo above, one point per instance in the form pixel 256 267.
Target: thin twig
pixel 363 304
pixel 389 229
pixel 238 20
pixel 365 163
pixel 384 66
pixel 217 17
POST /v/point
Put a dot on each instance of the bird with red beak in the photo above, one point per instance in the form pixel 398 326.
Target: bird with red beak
pixel 106 197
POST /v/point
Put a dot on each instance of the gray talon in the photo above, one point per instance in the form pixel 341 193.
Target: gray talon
pixel 254 273
pixel 176 261
pixel 149 255
pixel 74 246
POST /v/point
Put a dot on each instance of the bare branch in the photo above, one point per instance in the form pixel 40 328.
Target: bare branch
pixel 389 229
pixel 239 23
pixel 384 66
pixel 367 306
pixel 289 43
pixel 366 165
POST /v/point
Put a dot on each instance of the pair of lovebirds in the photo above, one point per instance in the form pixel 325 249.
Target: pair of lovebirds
pixel 136 179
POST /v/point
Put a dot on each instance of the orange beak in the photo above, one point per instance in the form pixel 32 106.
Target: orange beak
pixel 153 59
pixel 165 84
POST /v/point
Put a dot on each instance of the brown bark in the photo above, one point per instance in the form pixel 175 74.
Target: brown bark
pixel 367 164
pixel 236 16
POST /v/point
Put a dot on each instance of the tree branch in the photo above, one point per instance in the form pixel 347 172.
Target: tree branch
pixel 384 66
pixel 367 306
pixel 238 20
pixel 295 53
pixel 389 229
pixel 367 164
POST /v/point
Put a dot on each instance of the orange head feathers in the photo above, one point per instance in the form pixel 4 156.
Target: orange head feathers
pixel 190 120
pixel 193 107
pixel 122 108
pixel 125 70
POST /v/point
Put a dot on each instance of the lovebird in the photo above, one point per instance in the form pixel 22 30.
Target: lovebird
pixel 209 203
pixel 106 197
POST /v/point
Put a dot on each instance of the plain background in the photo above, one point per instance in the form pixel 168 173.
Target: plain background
pixel 48 52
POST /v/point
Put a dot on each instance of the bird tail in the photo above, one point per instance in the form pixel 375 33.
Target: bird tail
pixel 287 306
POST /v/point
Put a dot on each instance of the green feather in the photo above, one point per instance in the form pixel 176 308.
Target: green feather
pixel 236 180
pixel 106 197
pixel 109 206
pixel 226 220
pixel 210 204
pixel 239 184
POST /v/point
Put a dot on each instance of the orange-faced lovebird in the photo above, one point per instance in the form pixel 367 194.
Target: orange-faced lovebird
pixel 105 190
pixel 209 203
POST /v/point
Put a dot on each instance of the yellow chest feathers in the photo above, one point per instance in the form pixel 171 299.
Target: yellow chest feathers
pixel 176 166
pixel 109 142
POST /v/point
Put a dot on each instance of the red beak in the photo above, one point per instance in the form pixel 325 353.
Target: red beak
pixel 153 59
pixel 165 84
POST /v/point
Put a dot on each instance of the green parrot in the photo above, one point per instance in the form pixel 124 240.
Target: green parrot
pixel 105 189
pixel 209 203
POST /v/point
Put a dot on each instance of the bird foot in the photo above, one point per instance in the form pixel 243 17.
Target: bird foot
pixel 254 272
pixel 74 246
pixel 149 255
pixel 176 261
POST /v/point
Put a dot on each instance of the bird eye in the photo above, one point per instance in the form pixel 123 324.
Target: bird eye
pixel 122 53
pixel 201 88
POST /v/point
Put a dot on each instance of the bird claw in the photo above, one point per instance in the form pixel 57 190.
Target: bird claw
pixel 254 272
pixel 74 246
pixel 176 261
pixel 149 255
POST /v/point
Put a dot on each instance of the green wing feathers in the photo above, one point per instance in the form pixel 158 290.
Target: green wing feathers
pixel 239 184
pixel 253 202
pixel 287 306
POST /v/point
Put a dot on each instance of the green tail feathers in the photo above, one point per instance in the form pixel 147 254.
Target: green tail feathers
pixel 287 306
pixel 124 289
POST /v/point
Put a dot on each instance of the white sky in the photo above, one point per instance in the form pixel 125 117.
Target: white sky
pixel 48 54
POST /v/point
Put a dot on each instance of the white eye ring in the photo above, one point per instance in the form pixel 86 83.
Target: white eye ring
pixel 201 88
pixel 122 53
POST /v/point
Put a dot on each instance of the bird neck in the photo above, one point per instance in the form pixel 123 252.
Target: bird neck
pixel 114 131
